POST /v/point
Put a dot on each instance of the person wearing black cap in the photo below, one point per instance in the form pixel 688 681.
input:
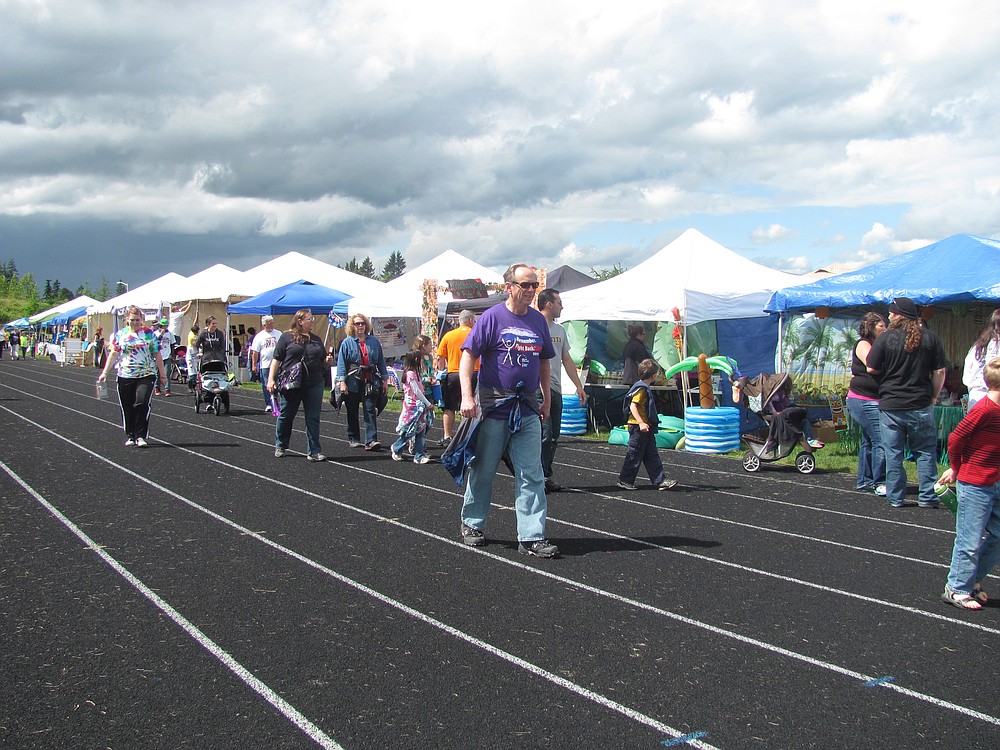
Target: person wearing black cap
pixel 166 342
pixel 909 364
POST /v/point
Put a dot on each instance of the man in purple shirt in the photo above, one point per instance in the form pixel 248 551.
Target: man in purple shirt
pixel 515 351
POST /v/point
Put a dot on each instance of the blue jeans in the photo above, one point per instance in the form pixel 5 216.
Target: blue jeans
pixel 917 428
pixel 418 445
pixel 311 398
pixel 263 384
pixel 550 433
pixel 871 455
pixel 642 451
pixel 524 449
pixel 975 555
pixel 351 403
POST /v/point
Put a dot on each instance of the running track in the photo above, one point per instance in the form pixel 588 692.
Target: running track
pixel 202 593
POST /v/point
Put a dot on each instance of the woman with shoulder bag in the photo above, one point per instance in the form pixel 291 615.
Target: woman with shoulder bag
pixel 362 379
pixel 296 377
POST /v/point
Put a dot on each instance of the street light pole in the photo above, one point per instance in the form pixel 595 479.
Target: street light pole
pixel 121 284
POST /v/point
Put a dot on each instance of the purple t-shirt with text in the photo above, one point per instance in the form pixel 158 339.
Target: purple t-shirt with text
pixel 510 348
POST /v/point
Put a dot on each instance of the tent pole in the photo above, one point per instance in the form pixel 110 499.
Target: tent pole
pixel 778 364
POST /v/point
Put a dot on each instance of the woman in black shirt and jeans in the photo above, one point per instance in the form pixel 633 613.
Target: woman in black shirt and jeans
pixel 299 344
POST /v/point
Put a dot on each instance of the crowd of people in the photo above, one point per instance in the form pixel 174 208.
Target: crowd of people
pixel 503 373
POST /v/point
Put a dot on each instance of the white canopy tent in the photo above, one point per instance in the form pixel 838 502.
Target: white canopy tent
pixel 705 280
pixel 73 304
pixel 403 296
pixel 294 266
pixel 152 295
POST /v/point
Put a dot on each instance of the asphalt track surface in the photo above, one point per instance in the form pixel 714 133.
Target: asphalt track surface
pixel 202 593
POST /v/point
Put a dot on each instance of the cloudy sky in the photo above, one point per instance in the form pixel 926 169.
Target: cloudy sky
pixel 138 138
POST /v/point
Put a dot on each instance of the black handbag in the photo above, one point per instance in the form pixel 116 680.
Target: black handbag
pixel 291 377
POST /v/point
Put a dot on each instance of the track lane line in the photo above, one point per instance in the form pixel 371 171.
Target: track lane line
pixel 248 678
pixel 723 632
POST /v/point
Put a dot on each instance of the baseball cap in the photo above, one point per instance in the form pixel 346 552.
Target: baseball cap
pixel 163 322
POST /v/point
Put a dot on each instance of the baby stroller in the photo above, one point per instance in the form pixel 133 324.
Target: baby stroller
pixel 212 387
pixel 767 396
pixel 180 373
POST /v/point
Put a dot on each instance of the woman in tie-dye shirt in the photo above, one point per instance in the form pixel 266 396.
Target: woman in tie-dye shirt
pixel 138 354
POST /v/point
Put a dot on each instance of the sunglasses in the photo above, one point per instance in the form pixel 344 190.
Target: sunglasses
pixel 359 323
pixel 526 285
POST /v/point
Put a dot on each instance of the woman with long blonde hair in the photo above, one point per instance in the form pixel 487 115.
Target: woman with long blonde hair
pixel 362 378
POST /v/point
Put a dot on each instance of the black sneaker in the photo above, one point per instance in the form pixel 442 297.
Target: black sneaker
pixel 472 537
pixel 625 486
pixel 541 548
pixel 551 486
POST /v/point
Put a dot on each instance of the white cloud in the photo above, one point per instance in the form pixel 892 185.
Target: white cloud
pixel 773 233
pixel 500 130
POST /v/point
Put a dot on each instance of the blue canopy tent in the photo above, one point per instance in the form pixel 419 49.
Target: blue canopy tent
pixel 19 323
pixel 960 269
pixel 959 276
pixel 66 317
pixel 285 300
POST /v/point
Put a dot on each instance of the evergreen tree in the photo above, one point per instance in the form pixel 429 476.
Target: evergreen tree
pixel 47 294
pixel 368 269
pixel 352 266
pixel 394 267
pixel 10 270
pixel 602 274
pixel 104 293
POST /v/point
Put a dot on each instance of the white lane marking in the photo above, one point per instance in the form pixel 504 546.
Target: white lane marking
pixel 627 500
pixel 785 503
pixel 258 686
pixel 245 675
pixel 754 642
pixel 631 501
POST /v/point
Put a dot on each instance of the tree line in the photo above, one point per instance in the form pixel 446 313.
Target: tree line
pixel 21 297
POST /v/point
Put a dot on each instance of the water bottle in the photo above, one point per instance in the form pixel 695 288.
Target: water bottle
pixel 275 409
pixel 102 390
pixel 946 496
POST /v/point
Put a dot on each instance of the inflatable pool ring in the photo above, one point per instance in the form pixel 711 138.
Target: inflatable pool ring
pixel 574 416
pixel 715 430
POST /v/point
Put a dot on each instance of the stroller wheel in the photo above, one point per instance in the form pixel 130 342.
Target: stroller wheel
pixel 805 463
pixel 217 405
pixel 751 461
pixel 225 402
pixel 197 403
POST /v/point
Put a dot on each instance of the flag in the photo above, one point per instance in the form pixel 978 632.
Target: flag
pixel 336 321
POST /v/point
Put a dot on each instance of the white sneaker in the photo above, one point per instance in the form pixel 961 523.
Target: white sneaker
pixel 396 456
pixel 141 443
pixel 129 443
pixel 422 460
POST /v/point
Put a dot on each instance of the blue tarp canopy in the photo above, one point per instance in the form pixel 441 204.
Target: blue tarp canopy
pixel 961 268
pixel 19 323
pixel 66 317
pixel 286 300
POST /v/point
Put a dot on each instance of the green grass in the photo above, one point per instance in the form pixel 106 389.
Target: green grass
pixel 832 458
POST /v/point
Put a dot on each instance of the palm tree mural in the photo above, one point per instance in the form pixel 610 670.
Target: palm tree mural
pixel 817 353
pixel 791 339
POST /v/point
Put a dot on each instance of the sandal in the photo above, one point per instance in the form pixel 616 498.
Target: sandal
pixel 960 600
pixel 979 595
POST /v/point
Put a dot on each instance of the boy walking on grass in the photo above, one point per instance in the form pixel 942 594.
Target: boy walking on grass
pixel 974 450
pixel 643 424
